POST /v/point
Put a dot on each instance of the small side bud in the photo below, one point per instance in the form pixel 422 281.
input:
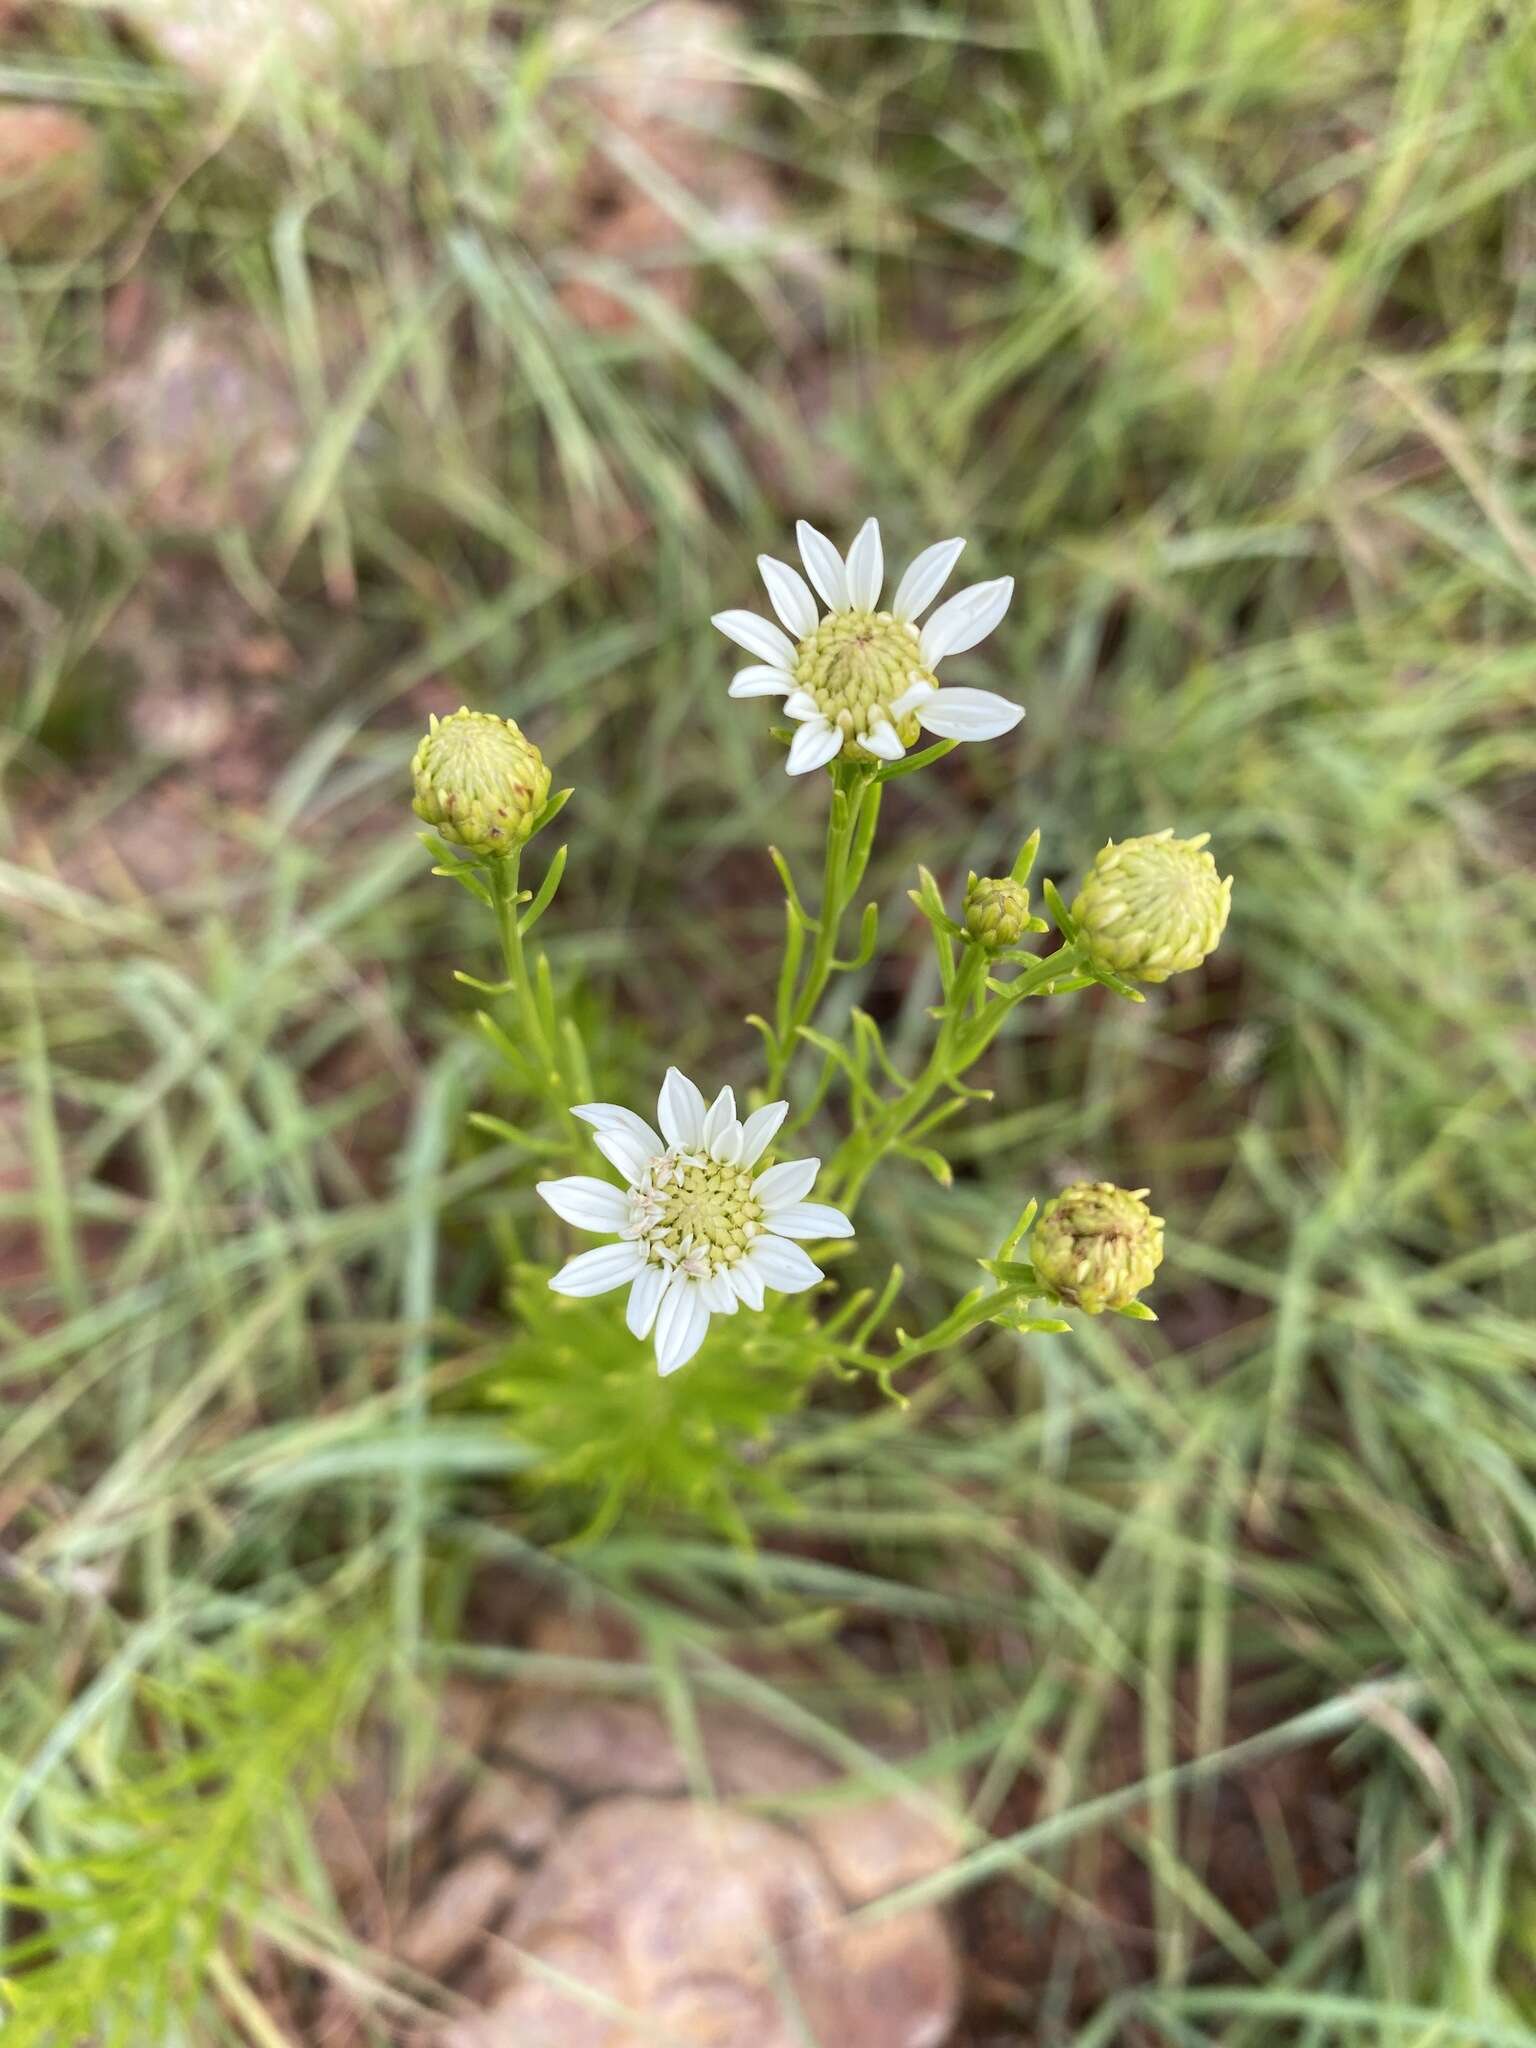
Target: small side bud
pixel 479 781
pixel 1097 1246
pixel 1153 906
pixel 997 912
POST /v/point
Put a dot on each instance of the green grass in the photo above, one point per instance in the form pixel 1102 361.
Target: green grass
pixel 1214 325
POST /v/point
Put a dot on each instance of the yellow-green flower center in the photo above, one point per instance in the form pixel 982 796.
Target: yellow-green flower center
pixel 856 664
pixel 692 1211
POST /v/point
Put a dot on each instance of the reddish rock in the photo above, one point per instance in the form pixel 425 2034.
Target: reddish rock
pixel 511 1809
pixel 540 2013
pixel 881 1845
pixel 221 44
pixel 900 1986
pixel 713 1926
pixel 364 1822
pixel 50 176
pixel 716 2012
pixel 653 1912
pixel 595 1633
pixel 752 1761
pixel 202 431
pixel 596 1745
pixel 468 1713
pixel 467 1904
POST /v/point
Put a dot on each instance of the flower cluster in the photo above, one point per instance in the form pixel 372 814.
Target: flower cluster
pixel 703 1223
pixel 702 1229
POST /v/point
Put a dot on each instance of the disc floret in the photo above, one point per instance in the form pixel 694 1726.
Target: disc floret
pixel 695 1213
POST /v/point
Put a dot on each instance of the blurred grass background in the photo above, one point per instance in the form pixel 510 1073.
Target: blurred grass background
pixel 463 352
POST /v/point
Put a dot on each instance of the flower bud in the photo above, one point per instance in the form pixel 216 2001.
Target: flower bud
pixel 1097 1246
pixel 997 912
pixel 1153 906
pixel 479 781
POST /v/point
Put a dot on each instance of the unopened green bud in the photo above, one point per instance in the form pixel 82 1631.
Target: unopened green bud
pixel 997 912
pixel 1097 1246
pixel 1153 906
pixel 479 781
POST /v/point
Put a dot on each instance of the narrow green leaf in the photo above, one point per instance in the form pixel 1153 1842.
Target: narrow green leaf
pixel 546 895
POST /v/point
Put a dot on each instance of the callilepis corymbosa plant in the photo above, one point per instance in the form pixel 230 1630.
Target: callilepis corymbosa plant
pixel 708 1282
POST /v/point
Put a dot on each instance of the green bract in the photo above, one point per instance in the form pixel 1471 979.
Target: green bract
pixel 1153 906
pixel 1097 1246
pixel 479 781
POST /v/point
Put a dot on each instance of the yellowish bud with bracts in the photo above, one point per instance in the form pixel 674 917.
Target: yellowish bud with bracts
pixel 997 912
pixel 1097 1246
pixel 1153 906
pixel 479 781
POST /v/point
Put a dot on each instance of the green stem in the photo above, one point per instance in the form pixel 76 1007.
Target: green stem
pixel 862 1150
pixel 972 1309
pixel 851 824
pixel 501 876
pixel 963 1037
pixel 986 1024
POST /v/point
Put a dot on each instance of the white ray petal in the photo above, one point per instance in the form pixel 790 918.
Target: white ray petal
pixel 789 1181
pixel 809 1219
pixel 910 698
pixel 967 714
pixel 746 1284
pixel 589 1204
pixel 645 1299
pixel 790 596
pixel 964 619
pixel 761 681
pixel 609 1116
pixel 926 576
pixel 721 1115
pixel 782 1265
pixel 681 1323
pixel 813 746
pixel 631 1155
pixel 800 704
pixel 758 636
pixel 824 566
pixel 760 1130
pixel 883 740
pixel 680 1111
pixel 866 566
pixel 598 1271
pixel 727 1146
pixel 719 1296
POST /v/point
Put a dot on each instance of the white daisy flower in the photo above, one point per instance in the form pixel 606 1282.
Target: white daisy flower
pixel 861 681
pixel 699 1233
